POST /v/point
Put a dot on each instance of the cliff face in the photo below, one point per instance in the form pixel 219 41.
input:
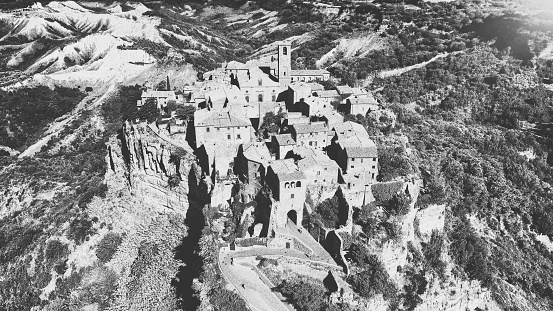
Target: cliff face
pixel 150 210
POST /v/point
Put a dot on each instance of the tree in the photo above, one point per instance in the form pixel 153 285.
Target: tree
pixel 108 246
pixel 186 111
pixel 304 295
pixel 372 280
pixel 149 111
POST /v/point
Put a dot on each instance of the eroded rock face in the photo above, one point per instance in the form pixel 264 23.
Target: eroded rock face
pixel 149 208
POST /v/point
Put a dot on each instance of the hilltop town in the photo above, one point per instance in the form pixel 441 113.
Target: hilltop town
pixel 262 126
pixel 276 155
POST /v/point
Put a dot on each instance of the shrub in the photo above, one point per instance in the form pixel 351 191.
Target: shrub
pixel 333 212
pixel 433 252
pixel 186 111
pixel 265 262
pixel 174 181
pixel 383 192
pixel 79 228
pixel 372 280
pixel 226 300
pixel 304 295
pixel 149 111
pixel 108 246
pixel 55 251
pixel 398 205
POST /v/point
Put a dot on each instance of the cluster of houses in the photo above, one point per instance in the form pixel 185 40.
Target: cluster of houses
pixel 313 146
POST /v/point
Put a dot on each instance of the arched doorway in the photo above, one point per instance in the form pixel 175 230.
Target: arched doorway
pixel 293 215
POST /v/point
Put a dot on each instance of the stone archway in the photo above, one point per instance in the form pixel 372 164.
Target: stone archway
pixel 293 215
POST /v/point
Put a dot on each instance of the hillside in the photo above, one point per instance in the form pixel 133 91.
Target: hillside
pixel 100 213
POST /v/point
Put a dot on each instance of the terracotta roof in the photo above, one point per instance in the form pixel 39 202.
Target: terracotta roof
pixel 205 117
pixel 300 86
pixel 309 128
pixel 257 152
pixel 286 170
pixel 349 127
pixel 315 87
pixel 317 72
pixel 344 90
pixel 318 160
pixel 327 94
pixel 366 99
pixel 284 139
pixel 361 152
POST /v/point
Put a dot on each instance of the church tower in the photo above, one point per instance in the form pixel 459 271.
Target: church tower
pixel 284 62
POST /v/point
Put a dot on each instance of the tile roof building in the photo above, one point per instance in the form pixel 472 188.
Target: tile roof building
pixel 222 127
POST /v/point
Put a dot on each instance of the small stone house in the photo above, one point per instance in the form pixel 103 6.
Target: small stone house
pixel 252 161
pixel 282 144
pixel 312 135
pixel 319 169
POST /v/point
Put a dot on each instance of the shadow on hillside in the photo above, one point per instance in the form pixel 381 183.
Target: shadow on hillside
pixel 187 252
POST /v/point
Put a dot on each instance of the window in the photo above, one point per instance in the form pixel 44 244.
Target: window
pixel 310 143
pixel 218 129
pixel 228 136
pixel 284 51
pixel 326 169
pixel 228 128
pixel 352 159
pixel 352 166
pixel 374 159
pixel 298 184
pixel 292 196
pixel 260 97
pixel 273 98
pixel 238 136
pixel 207 129
pixel 361 160
pixel 318 172
pixel 259 82
pixel 247 98
pixel 372 176
pixel 374 167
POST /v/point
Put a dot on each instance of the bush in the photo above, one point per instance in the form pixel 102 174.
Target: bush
pixel 265 262
pixel 304 295
pixel 372 280
pixel 79 228
pixel 108 246
pixel 383 192
pixel 56 251
pixel 398 205
pixel 332 212
pixel 149 111
pixel 226 300
pixel 433 253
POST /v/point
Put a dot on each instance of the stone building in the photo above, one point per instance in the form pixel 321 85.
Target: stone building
pixel 319 169
pixel 360 104
pixel 282 144
pixel 221 127
pixel 252 161
pixel 312 135
pixel 355 152
pixel 309 75
pixel 288 186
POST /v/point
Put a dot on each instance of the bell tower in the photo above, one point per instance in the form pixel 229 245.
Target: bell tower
pixel 284 62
